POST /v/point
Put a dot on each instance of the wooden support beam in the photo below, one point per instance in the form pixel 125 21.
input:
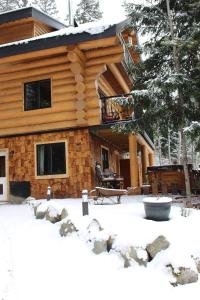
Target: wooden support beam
pixel 151 159
pixel 134 171
pixel 113 68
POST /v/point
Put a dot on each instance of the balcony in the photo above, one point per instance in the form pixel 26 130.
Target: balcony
pixel 112 109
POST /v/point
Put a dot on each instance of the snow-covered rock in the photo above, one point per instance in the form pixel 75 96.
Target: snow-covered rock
pixel 67 227
pixel 184 275
pixel 54 213
pixel 157 245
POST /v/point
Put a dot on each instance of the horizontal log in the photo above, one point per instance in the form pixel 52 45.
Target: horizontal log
pixel 34 54
pixel 66 107
pixel 17 105
pixel 80 114
pixel 63 81
pixel 33 64
pixel 115 58
pixel 95 70
pixel 93 113
pixel 11 98
pixel 91 85
pixel 106 42
pixel 94 121
pixel 39 128
pixel 48 118
pixel 91 93
pixel 34 72
pixel 64 97
pixel 57 90
pixel 103 51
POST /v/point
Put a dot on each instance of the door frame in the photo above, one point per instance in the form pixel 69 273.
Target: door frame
pixel 5 152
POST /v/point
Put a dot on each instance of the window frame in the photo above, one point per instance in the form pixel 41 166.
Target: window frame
pixel 52 176
pixel 108 150
pixel 34 81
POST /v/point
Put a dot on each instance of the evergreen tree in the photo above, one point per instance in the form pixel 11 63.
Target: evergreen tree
pixel 88 11
pixel 6 5
pixel 47 6
pixel 166 88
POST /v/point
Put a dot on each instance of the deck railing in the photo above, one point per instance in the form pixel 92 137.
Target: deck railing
pixel 113 109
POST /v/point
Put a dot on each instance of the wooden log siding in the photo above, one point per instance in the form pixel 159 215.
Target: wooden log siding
pixel 22 163
pixel 74 72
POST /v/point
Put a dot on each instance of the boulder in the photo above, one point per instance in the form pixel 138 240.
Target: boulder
pixel 183 275
pixel 135 254
pixel 67 227
pixel 64 214
pixel 40 210
pixel 186 276
pixel 197 263
pixel 100 246
pixel 94 226
pixel 157 245
pixel 54 213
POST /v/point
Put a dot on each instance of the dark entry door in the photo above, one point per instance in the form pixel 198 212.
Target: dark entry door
pixel 105 158
pixel 125 172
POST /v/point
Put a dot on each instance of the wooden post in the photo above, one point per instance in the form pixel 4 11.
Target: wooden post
pixel 151 159
pixel 133 160
pixel 145 162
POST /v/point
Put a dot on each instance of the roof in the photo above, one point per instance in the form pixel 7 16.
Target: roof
pixel 30 12
pixel 62 37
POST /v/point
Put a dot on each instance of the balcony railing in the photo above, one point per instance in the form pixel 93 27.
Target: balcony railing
pixel 112 109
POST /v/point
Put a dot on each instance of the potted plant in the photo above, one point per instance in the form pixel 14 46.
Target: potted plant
pixel 157 208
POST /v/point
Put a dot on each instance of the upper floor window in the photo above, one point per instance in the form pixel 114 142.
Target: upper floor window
pixel 37 94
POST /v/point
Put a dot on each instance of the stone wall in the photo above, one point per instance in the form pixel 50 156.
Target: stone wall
pixel 22 163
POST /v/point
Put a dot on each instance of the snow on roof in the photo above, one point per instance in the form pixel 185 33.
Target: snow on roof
pixel 91 28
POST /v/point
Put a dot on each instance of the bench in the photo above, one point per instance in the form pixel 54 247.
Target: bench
pixel 101 193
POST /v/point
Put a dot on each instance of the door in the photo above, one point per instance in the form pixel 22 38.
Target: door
pixel 3 178
pixel 125 172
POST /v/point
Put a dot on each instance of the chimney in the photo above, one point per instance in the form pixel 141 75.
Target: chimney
pixel 70 11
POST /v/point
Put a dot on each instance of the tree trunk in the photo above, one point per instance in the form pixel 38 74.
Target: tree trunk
pixel 177 69
pixel 185 165
pixel 169 147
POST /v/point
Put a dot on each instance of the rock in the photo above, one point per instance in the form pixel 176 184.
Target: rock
pixel 64 214
pixel 100 246
pixel 197 263
pixel 53 213
pixel 186 276
pixel 94 226
pixel 183 275
pixel 135 254
pixel 67 227
pixel 40 210
pixel 110 242
pixel 157 245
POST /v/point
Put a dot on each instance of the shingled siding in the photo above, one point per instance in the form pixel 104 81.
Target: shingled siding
pixel 22 162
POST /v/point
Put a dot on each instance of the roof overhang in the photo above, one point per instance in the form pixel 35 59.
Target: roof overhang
pixel 52 41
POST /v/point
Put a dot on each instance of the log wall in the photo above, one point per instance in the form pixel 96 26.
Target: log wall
pixel 22 163
pixel 75 76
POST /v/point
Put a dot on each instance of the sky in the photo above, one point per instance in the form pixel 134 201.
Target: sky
pixel 112 9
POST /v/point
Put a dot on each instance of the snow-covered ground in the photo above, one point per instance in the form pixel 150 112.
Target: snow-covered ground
pixel 37 263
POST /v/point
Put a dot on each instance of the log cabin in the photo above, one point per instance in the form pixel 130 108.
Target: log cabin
pixel 56 106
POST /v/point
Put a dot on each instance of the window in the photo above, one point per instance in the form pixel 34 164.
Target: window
pixel 51 159
pixel 37 94
pixel 105 158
